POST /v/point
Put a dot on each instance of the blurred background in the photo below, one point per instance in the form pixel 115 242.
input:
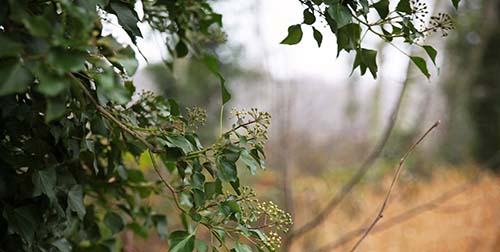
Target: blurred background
pixel 328 123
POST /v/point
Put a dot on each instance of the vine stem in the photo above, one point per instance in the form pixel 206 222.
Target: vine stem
pixel 393 182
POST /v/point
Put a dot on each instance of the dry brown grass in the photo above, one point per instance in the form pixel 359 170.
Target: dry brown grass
pixel 469 221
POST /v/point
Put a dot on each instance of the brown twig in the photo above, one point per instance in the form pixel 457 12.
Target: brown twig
pixel 393 182
pixel 360 173
pixel 404 216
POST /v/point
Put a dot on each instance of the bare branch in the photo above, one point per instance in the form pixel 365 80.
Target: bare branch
pixel 380 213
pixel 360 173
pixel 404 216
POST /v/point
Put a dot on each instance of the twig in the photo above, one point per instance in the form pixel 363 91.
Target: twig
pixel 109 116
pixel 393 182
pixel 360 173
pixel 404 216
pixel 164 181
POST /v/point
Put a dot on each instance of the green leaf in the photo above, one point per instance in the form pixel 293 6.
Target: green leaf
pixel 9 47
pixel 51 83
pixel 125 59
pixel 431 52
pixel 44 181
pixel 404 6
pixel 309 17
pixel 249 161
pixel 227 169
pixel 63 245
pixel 55 109
pixel 341 14
pixel 366 59
pixel 65 60
pixel 75 201
pixel 160 222
pixel 421 64
pixel 200 246
pixel 23 221
pixel 294 35
pixel 181 241
pixel 212 64
pixel 14 77
pixel 382 8
pixel 179 142
pixel 114 222
pixel 127 18
pixel 39 26
pixel 348 37
pixel 240 247
pixel 455 3
pixel 108 83
pixel 317 36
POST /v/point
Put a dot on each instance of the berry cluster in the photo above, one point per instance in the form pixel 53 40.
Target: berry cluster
pixel 441 22
pixel 254 121
pixel 196 116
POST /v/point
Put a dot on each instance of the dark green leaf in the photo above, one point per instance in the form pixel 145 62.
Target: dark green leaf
pixel 421 64
pixel 127 18
pixel 404 6
pixel 9 48
pixel 179 142
pixel 227 169
pixel 181 241
pixel 160 222
pixel 181 49
pixel 249 161
pixel 348 37
pixel 294 35
pixel 51 83
pixel 14 77
pixel 317 36
pixel 366 59
pixel 55 109
pixel 23 221
pixel 212 64
pixel 341 14
pixel 44 181
pixel 75 200
pixel 455 3
pixel 431 52
pixel 125 59
pixel 63 245
pixel 65 60
pixel 382 8
pixel 309 17
pixel 114 222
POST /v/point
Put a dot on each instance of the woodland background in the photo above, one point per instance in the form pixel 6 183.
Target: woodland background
pixel 325 124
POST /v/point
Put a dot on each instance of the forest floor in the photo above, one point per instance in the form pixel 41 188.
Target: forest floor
pixel 443 213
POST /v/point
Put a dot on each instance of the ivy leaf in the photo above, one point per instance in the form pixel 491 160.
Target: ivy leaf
pixel 9 47
pixel 75 201
pixel 23 221
pixel 44 181
pixel 241 247
pixel 212 64
pixel 51 83
pixel 455 3
pixel 127 19
pixel 200 246
pixel 431 52
pixel 317 36
pixel 294 35
pixel 14 77
pixel 179 142
pixel 63 245
pixel 160 222
pixel 249 161
pixel 125 59
pixel 404 6
pixel 181 49
pixel 227 169
pixel 366 59
pixel 181 241
pixel 114 222
pixel 348 37
pixel 341 14
pixel 421 64
pixel 309 17
pixel 65 60
pixel 55 109
pixel 382 7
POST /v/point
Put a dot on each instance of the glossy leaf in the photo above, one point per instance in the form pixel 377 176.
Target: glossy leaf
pixel 294 35
pixel 431 52
pixel 421 64
pixel 14 77
pixel 75 201
pixel 181 241
pixel 317 36
pixel 341 14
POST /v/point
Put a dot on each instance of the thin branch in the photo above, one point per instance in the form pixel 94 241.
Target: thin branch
pixel 360 173
pixel 164 181
pixel 404 216
pixel 380 213
pixel 109 116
